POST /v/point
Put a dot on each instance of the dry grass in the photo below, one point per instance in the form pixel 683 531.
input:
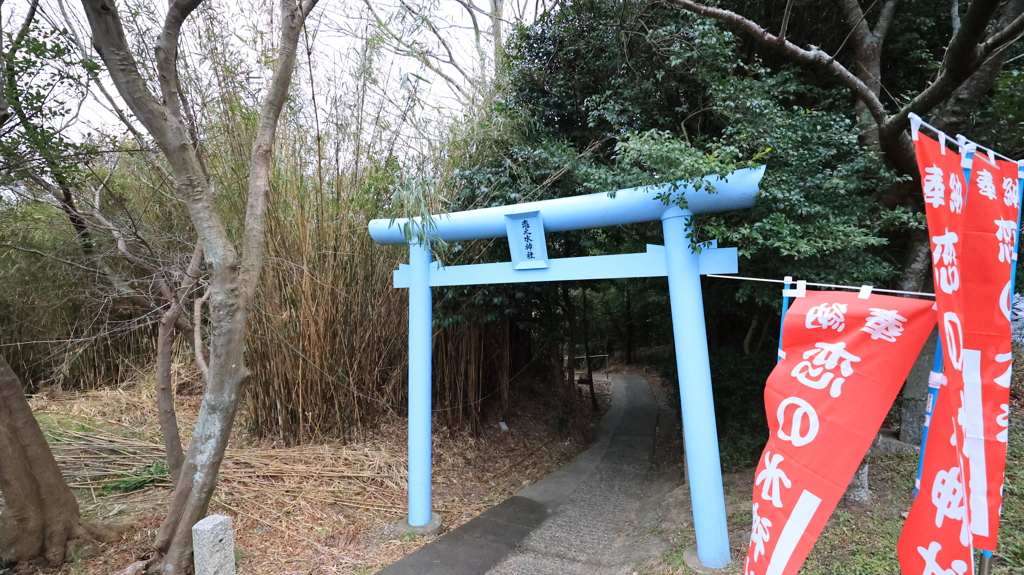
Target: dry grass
pixel 324 508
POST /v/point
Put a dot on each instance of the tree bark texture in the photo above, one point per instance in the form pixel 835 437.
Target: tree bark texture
pixel 570 394
pixel 915 394
pixel 867 46
pixel 40 524
pixel 234 274
pixel 165 402
pixel 164 384
pixel 586 353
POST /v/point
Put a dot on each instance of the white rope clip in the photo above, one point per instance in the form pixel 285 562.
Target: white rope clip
pixel 915 125
pixel 865 292
pixel 936 380
pixel 967 151
pixel 800 291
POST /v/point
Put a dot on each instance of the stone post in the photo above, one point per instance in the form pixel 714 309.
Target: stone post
pixel 213 546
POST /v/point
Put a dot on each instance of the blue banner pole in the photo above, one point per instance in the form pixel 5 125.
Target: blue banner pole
pixel 1016 242
pixel 934 383
pixel 782 320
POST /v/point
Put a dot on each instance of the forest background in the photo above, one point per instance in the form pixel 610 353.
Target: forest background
pixel 484 105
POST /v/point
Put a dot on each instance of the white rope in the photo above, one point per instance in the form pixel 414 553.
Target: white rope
pixel 917 122
pixel 854 288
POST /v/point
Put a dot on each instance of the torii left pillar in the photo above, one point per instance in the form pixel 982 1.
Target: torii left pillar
pixel 421 518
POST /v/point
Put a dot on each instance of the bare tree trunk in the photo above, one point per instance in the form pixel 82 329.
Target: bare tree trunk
pixel 234 275
pixel 575 424
pixel 586 353
pixel 165 401
pixel 867 45
pixel 915 394
pixel 164 386
pixel 630 329
pixel 497 10
pixel 869 64
pixel 198 478
pixel 40 523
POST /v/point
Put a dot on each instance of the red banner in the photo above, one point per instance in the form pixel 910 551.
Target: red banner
pixel 936 537
pixel 965 456
pixel 990 235
pixel 843 362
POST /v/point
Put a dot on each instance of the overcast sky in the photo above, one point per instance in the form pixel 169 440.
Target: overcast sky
pixel 336 31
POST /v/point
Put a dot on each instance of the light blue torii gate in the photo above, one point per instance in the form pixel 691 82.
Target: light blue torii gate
pixel 525 226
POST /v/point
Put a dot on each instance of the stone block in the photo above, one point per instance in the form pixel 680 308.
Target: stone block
pixel 213 545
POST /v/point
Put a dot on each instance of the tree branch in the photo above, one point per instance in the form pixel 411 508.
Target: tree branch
pixel 23 31
pixel 114 106
pixel 109 40
pixel 885 18
pixel 254 238
pixel 5 110
pixel 814 56
pixel 785 20
pixel 197 334
pixel 965 54
pixel 859 29
pixel 8 58
pixel 418 54
pixel 166 127
pixel 166 51
pixel 52 257
pixel 181 324
pixel 1008 35
pixel 953 115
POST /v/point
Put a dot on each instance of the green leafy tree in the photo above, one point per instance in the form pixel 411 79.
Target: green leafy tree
pixel 677 96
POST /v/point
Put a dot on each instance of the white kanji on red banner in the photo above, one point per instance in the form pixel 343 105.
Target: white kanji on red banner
pixel 936 534
pixel 759 534
pixel 773 478
pixel 826 316
pixel 1011 193
pixel 1003 420
pixel 986 186
pixel 826 357
pixel 1006 233
pixel 886 324
pixel 945 250
pixel 934 187
pixel 956 193
pixel 949 501
pixel 931 564
pixel 795 433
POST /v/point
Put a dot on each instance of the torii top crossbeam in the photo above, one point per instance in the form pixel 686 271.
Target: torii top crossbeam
pixel 630 206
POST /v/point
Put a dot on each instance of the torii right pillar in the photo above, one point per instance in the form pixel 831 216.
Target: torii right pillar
pixel 697 405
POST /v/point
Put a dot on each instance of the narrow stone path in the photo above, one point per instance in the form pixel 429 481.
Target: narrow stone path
pixel 574 521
